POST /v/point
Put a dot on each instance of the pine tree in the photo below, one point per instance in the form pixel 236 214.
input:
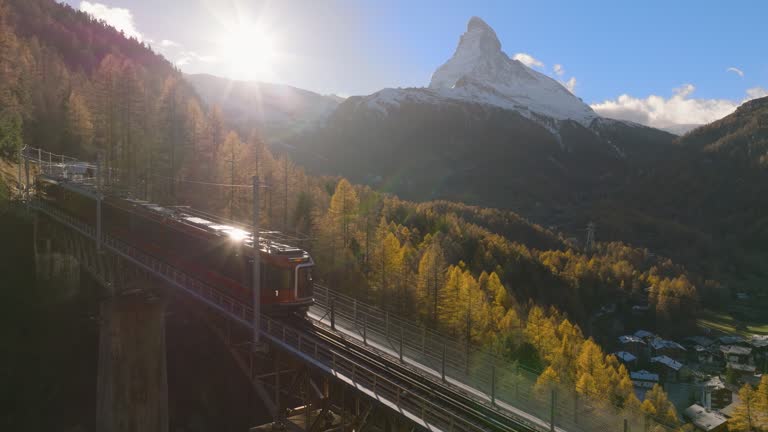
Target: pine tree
pixel 11 107
pixel 658 406
pixel 79 125
pixel 546 383
pixel 431 277
pixel 407 279
pixel 761 395
pixel 746 416
pixel 540 331
pixel 448 305
pixel 385 265
pixel 232 168
pixel 106 101
pixel 216 132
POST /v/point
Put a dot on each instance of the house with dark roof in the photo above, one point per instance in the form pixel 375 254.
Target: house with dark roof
pixel 668 368
pixel 741 373
pixel 671 349
pixel 629 359
pixel 633 344
pixel 736 354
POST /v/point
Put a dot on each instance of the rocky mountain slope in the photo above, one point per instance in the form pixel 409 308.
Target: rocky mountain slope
pixel 277 111
pixel 741 136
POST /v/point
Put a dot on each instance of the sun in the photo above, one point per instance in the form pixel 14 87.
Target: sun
pixel 249 50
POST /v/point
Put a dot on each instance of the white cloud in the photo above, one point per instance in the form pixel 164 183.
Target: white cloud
pixel 558 69
pixel 119 18
pixel 528 60
pixel 757 92
pixel 735 70
pixel 679 109
pixel 169 43
pixel 188 57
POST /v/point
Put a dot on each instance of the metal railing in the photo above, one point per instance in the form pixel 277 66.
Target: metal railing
pixel 477 373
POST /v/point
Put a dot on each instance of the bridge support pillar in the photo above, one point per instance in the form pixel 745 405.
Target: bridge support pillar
pixel 132 393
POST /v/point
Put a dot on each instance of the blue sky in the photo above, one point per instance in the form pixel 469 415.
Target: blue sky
pixel 608 48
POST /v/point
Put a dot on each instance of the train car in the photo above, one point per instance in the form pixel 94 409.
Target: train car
pixel 216 253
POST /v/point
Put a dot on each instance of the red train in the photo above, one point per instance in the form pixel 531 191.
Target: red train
pixel 217 254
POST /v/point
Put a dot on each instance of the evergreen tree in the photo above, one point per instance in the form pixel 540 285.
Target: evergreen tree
pixel 79 125
pixel 431 276
pixel 385 265
pixel 747 416
pixel 232 167
pixel 658 406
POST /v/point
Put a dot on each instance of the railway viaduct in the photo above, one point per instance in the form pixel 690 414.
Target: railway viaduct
pixel 349 366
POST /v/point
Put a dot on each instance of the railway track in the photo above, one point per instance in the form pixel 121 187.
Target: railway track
pixel 450 398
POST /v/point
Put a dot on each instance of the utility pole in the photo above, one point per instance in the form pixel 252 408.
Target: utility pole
pixel 231 163
pixel 21 180
pixel 98 202
pixel 285 212
pixel 172 176
pixel 589 244
pixel 256 291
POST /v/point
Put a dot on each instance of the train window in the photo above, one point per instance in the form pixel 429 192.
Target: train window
pixel 276 278
pixel 304 284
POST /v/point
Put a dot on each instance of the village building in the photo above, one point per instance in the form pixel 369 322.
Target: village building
pixel 642 381
pixel 671 349
pixel 736 354
pixel 645 335
pixel 701 354
pixel 741 373
pixel 706 420
pixel 731 340
pixel 629 359
pixel 632 344
pixel 668 368
pixel 715 394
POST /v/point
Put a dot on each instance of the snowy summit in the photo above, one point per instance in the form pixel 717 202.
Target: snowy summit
pixel 480 71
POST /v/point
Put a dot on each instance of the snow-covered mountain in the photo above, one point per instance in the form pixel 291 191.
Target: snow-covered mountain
pixel 487 130
pixel 480 72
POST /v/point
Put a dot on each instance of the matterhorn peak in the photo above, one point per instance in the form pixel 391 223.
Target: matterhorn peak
pixel 480 35
pixel 480 71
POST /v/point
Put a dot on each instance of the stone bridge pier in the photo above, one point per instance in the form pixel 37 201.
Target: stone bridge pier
pixel 132 382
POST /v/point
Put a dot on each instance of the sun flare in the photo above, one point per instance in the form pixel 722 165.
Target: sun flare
pixel 249 51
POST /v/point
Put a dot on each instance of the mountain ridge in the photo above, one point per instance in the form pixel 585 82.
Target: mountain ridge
pixel 277 110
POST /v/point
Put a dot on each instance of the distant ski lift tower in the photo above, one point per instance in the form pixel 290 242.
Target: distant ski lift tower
pixel 590 243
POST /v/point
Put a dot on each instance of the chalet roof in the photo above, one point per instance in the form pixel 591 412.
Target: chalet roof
pixel 741 367
pixel 735 350
pixel 700 340
pixel 625 356
pixel 704 419
pixel 731 339
pixel 715 383
pixel 667 361
pixel 644 334
pixel 630 339
pixel 665 344
pixel 758 341
pixel 644 375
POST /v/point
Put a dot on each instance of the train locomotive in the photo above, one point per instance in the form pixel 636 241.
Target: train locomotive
pixel 218 254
